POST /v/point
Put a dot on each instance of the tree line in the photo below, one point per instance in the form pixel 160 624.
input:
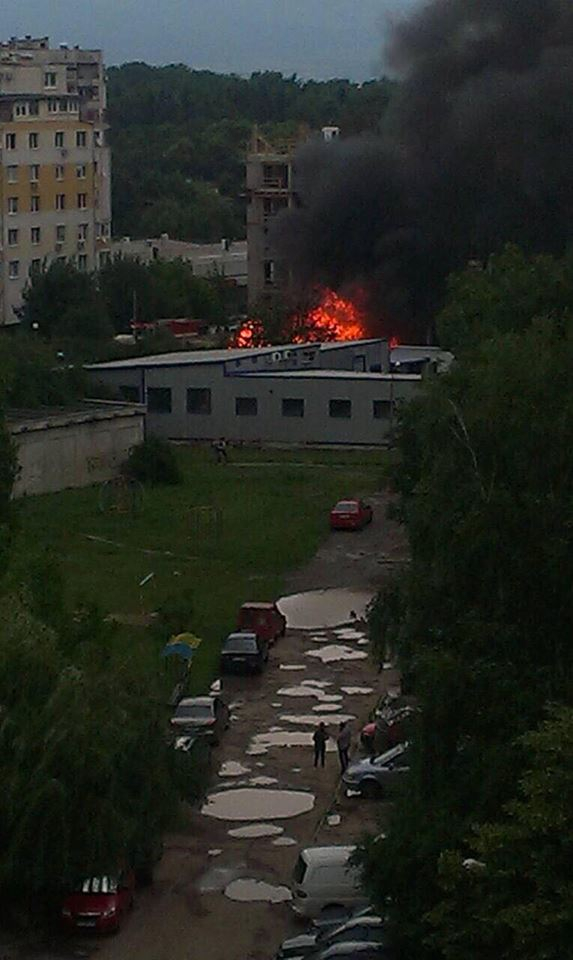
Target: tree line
pixel 179 138
pixel 477 858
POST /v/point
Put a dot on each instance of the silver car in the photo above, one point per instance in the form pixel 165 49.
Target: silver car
pixel 378 776
pixel 360 929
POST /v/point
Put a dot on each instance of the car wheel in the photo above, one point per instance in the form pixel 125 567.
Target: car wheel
pixel 371 789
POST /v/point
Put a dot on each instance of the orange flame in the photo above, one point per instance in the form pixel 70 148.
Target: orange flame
pixel 335 318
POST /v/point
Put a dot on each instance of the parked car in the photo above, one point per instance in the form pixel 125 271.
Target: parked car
pixel 387 730
pixel 201 717
pixel 324 881
pixel 350 515
pixel 244 653
pixel 264 619
pixel 363 929
pixel 99 903
pixel 378 776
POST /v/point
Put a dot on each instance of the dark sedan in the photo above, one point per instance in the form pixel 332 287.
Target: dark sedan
pixel 244 653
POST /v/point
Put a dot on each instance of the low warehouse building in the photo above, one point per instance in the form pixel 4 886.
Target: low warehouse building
pixel 63 447
pixel 338 393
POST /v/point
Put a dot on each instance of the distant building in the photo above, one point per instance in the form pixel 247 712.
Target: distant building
pixel 226 259
pixel 339 393
pixel 54 163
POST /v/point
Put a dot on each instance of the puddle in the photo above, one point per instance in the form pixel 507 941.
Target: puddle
pixel 251 803
pixel 217 878
pixel 262 781
pixel 317 609
pixel 253 830
pixel 292 666
pixel 308 690
pixel 232 768
pixel 316 683
pixel 260 763
pixel 262 742
pixel 327 707
pixel 296 770
pixel 363 643
pixel 284 842
pixel 316 718
pixel 215 852
pixel 387 665
pixel 352 691
pixel 350 634
pixel 335 652
pixel 333 820
pixel 276 705
pixel 253 891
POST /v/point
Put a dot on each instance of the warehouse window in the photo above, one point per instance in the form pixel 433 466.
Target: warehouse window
pixel 381 409
pixel 198 400
pixel 159 399
pixel 340 409
pixel 293 407
pixel 128 393
pixel 246 406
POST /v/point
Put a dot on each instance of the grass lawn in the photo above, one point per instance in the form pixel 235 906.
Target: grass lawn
pixel 272 507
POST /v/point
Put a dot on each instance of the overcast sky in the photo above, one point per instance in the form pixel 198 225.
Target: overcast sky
pixel 313 38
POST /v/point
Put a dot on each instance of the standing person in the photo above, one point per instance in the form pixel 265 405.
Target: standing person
pixel 343 742
pixel 220 448
pixel 320 736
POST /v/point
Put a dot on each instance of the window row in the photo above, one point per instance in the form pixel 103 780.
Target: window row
pixel 31 108
pixel 16 270
pixel 60 139
pixel 13 172
pixel 61 203
pixel 14 235
pixel 199 402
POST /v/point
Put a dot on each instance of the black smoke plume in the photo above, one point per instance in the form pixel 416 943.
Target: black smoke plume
pixel 476 150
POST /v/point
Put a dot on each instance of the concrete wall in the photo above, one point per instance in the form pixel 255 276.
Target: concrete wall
pixel 54 454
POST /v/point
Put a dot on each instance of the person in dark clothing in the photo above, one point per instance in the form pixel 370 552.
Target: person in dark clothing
pixel 343 742
pixel 320 737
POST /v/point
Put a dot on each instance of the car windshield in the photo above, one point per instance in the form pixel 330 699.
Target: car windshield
pixel 98 885
pixel 346 506
pixel 239 644
pixel 194 711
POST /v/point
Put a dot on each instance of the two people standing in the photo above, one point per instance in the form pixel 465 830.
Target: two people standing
pixel 343 741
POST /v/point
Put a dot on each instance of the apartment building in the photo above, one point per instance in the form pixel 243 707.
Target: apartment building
pixel 55 201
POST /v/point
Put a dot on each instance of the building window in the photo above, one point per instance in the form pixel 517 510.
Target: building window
pixel 12 174
pixel 199 400
pixel 60 201
pixel 50 80
pixel 246 406
pixel 159 399
pixel 81 138
pixel 81 171
pixel 83 231
pixel 381 409
pixel 35 266
pixel 104 258
pixel 21 110
pixel 34 204
pixel 82 261
pixel 293 407
pixel 12 204
pixel 35 235
pixel 269 272
pixel 60 233
pixel 128 393
pixel 34 172
pixel 10 141
pixel 82 201
pixel 33 141
pixel 59 172
pixel 14 269
pixel 59 138
pixel 53 106
pixel 12 238
pixel 340 409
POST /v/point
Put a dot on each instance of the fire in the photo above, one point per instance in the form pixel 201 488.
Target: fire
pixel 334 318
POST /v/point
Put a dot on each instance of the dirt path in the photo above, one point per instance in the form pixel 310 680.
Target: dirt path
pixel 186 913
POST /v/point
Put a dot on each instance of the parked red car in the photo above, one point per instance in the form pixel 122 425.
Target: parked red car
pixel 350 515
pixel 99 904
pixel 264 619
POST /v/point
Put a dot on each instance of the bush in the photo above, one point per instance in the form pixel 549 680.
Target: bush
pixel 153 462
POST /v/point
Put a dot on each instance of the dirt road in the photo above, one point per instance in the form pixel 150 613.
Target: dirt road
pixel 186 914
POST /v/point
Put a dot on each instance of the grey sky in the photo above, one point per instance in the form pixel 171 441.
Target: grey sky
pixel 313 38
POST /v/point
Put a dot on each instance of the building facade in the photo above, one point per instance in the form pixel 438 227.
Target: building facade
pixel 339 393
pixel 226 259
pixel 55 187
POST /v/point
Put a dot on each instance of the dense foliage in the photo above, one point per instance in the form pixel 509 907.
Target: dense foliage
pixel 153 462
pixel 483 618
pixel 179 138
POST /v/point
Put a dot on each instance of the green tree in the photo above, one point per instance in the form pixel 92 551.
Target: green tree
pixel 62 303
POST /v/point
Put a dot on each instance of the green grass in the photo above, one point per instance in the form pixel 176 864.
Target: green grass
pixel 273 516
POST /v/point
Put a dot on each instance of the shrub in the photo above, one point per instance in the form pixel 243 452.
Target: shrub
pixel 153 462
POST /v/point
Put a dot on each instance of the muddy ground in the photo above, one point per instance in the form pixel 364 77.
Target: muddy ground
pixel 186 914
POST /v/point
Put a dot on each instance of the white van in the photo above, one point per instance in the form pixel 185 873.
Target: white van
pixel 324 882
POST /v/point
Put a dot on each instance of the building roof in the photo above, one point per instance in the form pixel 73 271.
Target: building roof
pixel 46 418
pixel 314 374
pixel 186 357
